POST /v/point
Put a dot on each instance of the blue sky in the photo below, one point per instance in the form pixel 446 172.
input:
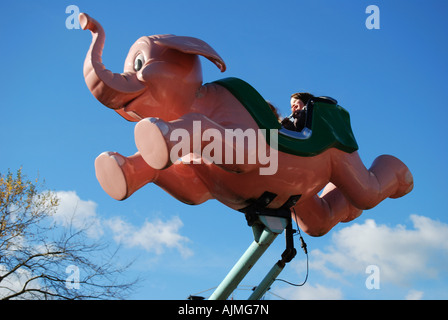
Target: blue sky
pixel 393 81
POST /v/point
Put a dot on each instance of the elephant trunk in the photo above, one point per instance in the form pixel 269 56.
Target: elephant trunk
pixel 114 90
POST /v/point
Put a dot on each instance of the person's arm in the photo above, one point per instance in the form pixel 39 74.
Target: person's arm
pixel 288 124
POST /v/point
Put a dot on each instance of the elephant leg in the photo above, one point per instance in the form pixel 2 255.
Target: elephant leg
pixel 319 214
pixel 150 140
pixel 388 177
pixel 161 143
pixel 121 176
pixel 182 182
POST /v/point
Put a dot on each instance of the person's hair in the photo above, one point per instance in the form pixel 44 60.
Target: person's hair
pixel 274 109
pixel 303 96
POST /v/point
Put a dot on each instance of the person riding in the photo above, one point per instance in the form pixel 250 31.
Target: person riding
pixel 297 120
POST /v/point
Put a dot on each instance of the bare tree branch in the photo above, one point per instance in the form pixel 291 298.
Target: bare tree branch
pixel 35 253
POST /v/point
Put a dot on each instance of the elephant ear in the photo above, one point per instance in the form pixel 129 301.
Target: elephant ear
pixel 193 46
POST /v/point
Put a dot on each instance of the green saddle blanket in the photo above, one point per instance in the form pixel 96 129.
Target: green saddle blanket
pixel 330 126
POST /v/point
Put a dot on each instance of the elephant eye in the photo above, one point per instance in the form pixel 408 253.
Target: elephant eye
pixel 138 62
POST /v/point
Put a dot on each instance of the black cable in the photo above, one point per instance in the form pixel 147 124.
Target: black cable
pixel 304 247
pixel 299 284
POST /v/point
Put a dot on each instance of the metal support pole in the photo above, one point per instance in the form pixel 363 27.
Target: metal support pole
pixel 266 283
pixel 263 238
pixel 287 256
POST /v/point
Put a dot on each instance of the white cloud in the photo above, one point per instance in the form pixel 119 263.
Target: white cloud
pixel 414 295
pixel 80 213
pixel 72 211
pixel 16 281
pixel 152 236
pixel 404 256
pixel 401 254
pixel 310 292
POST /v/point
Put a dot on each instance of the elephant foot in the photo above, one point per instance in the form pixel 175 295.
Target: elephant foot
pixel 392 166
pixel 120 176
pixel 353 214
pixel 405 181
pixel 406 184
pixel 149 136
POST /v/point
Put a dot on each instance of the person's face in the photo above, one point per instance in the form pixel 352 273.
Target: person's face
pixel 296 104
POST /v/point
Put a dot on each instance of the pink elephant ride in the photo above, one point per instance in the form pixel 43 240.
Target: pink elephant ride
pixel 186 132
